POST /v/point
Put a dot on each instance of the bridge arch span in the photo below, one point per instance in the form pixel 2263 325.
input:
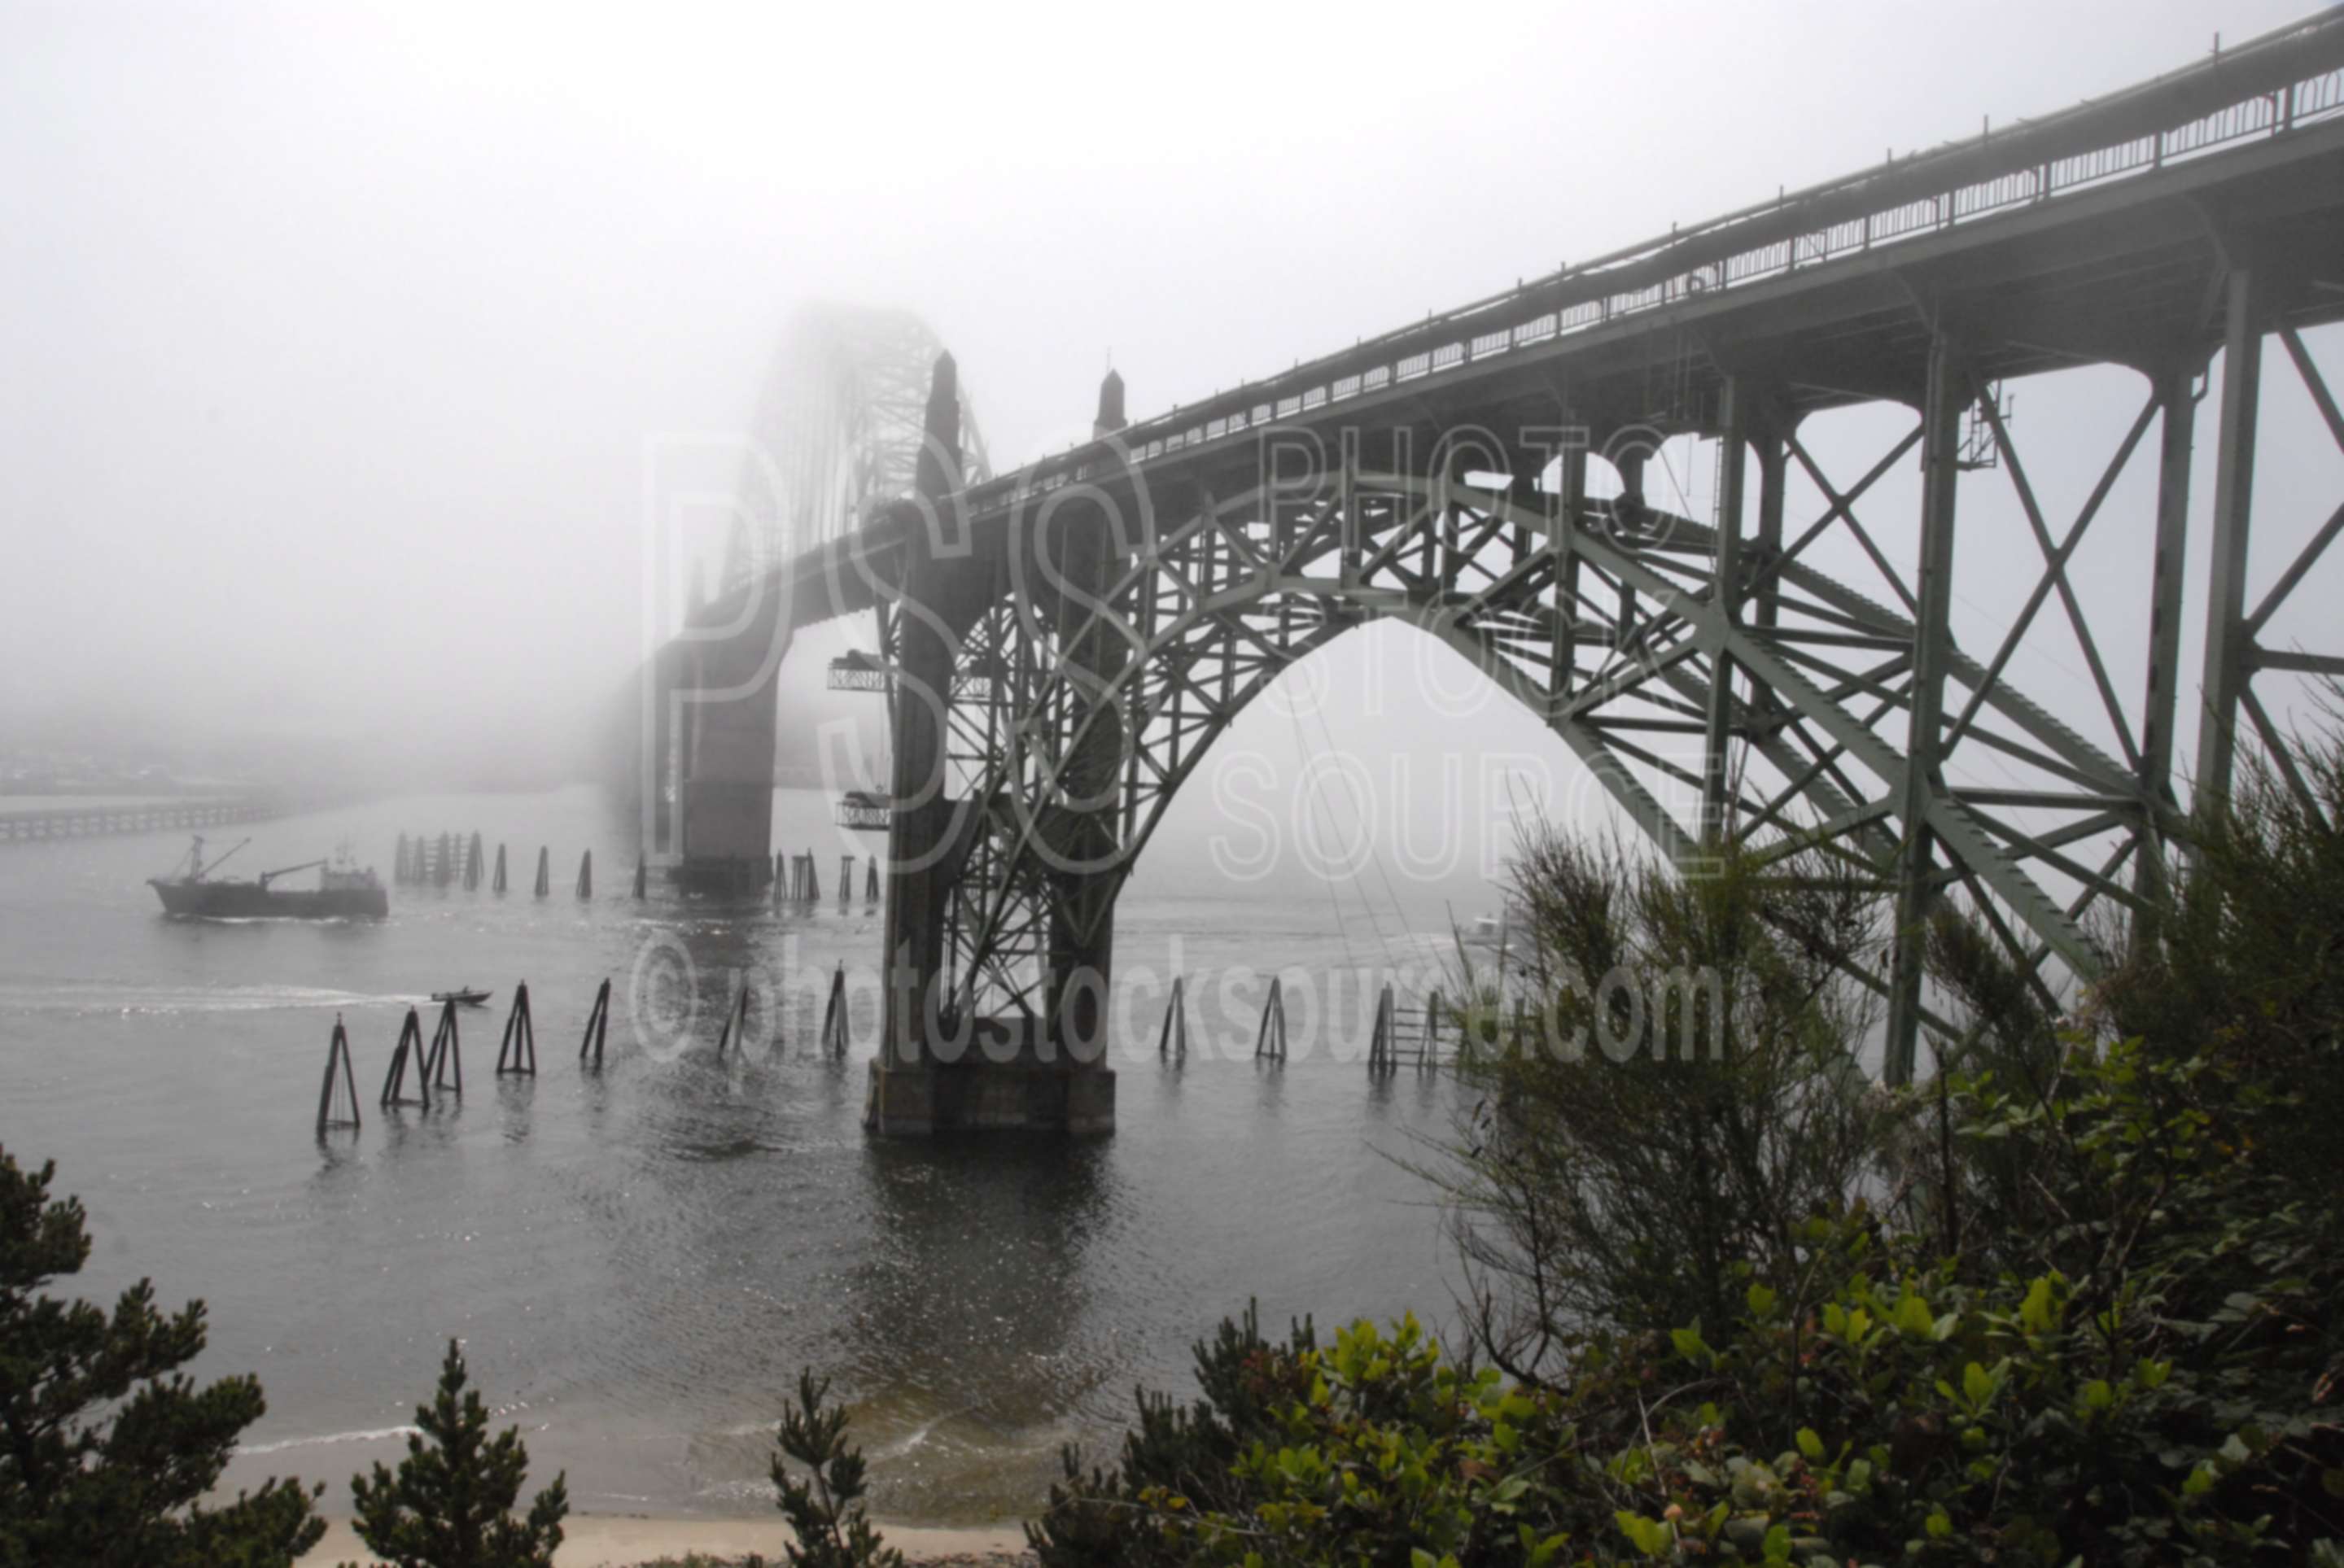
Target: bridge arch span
pixel 1601 617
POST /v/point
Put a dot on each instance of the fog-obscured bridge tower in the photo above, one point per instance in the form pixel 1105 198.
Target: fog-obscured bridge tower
pixel 838 432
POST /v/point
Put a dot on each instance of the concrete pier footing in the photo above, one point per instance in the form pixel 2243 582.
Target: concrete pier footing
pixel 1001 1078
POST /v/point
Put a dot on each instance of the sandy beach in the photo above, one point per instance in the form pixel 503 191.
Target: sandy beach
pixel 621 1541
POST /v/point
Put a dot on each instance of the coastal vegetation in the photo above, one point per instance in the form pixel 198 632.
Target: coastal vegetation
pixel 106 1449
pixel 108 1455
pixel 2077 1296
pixel 449 1504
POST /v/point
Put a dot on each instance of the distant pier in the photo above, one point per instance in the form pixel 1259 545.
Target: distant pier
pixel 30 817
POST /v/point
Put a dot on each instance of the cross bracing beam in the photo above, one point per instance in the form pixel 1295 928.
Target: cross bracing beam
pixel 1185 619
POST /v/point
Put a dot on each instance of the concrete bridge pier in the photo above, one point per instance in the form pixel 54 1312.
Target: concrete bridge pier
pixel 938 1070
pixel 1091 550
pixel 727 720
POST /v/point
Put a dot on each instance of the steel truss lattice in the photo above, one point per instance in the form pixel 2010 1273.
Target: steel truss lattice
pixel 1778 712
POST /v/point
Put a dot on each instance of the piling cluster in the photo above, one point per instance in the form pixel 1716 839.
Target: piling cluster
pixel 1411 1035
pixel 796 880
pixel 421 1071
pixel 1408 1034
pixel 457 860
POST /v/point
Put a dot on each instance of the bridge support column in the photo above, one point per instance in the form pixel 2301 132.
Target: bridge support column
pixel 1941 417
pixel 1766 604
pixel 2176 415
pixel 1716 779
pixel 939 1069
pixel 726 799
pixel 1090 558
pixel 651 743
pixel 2229 646
pixel 903 1091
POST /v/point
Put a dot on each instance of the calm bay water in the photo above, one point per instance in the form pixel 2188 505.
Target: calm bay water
pixel 639 1262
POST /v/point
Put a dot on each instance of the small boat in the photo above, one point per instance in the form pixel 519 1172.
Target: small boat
pixel 1488 931
pixel 1501 935
pixel 470 995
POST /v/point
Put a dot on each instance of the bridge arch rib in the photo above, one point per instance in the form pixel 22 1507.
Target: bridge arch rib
pixel 838 435
pixel 1603 618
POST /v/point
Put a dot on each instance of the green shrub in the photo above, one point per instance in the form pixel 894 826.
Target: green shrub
pixel 450 1505
pixel 2079 1300
pixel 1885 1404
pixel 1094 1518
pixel 1617 1165
pixel 104 1449
pixel 825 1508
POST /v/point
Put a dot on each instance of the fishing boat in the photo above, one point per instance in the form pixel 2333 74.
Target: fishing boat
pixel 470 995
pixel 344 891
pixel 1488 931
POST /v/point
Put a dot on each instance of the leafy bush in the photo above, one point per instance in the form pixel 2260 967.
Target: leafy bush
pixel 450 1505
pixel 1649 1138
pixel 104 1452
pixel 1095 1519
pixel 1899 1416
pixel 2080 1300
pixel 825 1509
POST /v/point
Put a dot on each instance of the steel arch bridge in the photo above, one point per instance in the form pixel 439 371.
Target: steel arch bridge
pixel 1066 642
pixel 1788 701
pixel 838 432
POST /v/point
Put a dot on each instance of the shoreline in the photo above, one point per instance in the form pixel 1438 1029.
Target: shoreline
pixel 625 1540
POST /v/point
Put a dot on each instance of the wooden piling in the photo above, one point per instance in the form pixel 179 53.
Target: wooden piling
pixel 1173 1043
pixel 394 1083
pixel 472 864
pixel 1379 1044
pixel 498 886
pixel 812 881
pixel 447 1051
pixel 337 1054
pixel 598 1025
pixel 1427 1059
pixel 586 874
pixel 833 1016
pixel 545 870
pixel 846 879
pixel 643 875
pixel 735 1022
pixel 517 1052
pixel 871 882
pixel 1270 1041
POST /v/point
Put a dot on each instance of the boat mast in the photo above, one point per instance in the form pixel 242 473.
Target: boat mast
pixel 202 870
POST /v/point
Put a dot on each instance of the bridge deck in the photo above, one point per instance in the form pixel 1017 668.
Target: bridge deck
pixel 2094 235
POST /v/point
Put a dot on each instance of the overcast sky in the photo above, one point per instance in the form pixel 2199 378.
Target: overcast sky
pixel 333 336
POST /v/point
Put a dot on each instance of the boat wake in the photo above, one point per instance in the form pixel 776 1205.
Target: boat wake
pixel 99 999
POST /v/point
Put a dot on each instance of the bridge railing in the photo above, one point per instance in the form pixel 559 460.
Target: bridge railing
pixel 2270 87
